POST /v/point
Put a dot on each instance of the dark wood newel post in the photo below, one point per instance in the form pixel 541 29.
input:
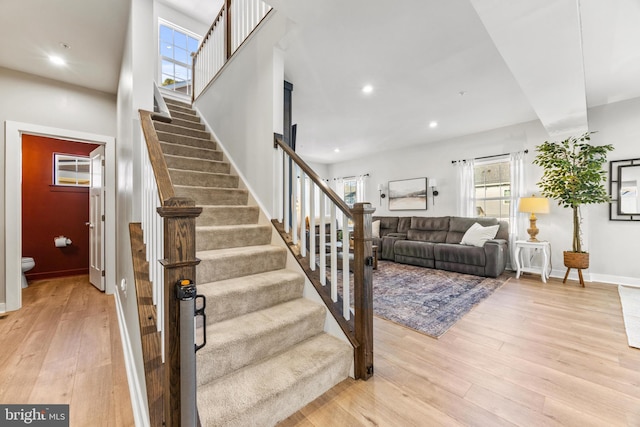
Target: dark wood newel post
pixel 363 289
pixel 179 215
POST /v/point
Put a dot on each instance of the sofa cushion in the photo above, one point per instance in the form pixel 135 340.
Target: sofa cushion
pixel 459 254
pixel 478 235
pixel 429 229
pixel 459 225
pixel 388 224
pixel 375 229
pixel 404 224
pixel 414 249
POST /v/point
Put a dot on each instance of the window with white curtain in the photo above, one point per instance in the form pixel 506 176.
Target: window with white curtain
pixel 492 188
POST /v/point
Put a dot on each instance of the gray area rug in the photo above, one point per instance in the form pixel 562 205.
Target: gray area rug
pixel 427 300
pixel 630 301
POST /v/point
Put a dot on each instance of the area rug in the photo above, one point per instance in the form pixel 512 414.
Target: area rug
pixel 630 300
pixel 428 300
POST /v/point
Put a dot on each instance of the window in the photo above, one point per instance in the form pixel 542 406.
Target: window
pixel 71 170
pixel 493 189
pixel 176 47
pixel 350 192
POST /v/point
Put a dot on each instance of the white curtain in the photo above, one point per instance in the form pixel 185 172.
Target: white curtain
pixel 517 220
pixel 465 205
pixel 361 188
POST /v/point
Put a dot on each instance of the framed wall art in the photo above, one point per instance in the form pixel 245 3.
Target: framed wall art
pixel 408 194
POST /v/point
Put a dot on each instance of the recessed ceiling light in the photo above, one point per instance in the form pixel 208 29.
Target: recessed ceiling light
pixel 337 150
pixel 57 60
pixel 367 89
pixel 433 124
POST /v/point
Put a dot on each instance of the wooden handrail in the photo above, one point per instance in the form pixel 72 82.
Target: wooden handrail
pixel 278 142
pixel 158 163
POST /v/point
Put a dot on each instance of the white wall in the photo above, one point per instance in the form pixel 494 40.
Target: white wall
pixel 39 101
pixel 135 91
pixel 240 107
pixel 613 245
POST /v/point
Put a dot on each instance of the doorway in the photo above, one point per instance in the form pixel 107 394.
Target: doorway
pixel 13 204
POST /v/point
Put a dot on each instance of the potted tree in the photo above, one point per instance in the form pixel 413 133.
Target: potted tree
pixel 573 176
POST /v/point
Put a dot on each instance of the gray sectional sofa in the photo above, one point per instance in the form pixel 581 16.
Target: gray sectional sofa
pixel 434 242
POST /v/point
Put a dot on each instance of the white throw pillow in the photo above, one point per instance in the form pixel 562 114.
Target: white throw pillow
pixel 477 235
pixel 375 229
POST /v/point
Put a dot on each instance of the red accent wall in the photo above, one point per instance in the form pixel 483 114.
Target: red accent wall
pixel 50 210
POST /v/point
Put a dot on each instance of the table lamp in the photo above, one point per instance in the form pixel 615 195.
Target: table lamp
pixel 533 205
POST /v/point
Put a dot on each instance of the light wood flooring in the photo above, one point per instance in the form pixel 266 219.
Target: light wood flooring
pixel 532 354
pixel 64 347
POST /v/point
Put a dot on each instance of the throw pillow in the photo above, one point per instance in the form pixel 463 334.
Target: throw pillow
pixel 375 229
pixel 477 235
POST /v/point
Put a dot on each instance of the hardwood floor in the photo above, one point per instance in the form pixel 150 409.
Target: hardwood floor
pixel 532 354
pixel 64 346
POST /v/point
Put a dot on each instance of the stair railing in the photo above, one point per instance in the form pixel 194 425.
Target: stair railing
pixel 169 228
pixel 231 27
pixel 298 188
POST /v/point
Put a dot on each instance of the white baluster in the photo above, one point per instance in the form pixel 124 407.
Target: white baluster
pixel 323 241
pixel 287 195
pixel 303 213
pixel 345 267
pixel 334 255
pixel 312 226
pixel 294 204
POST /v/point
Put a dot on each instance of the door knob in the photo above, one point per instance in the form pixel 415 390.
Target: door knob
pixel 89 224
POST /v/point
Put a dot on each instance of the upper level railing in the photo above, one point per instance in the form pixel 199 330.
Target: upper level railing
pixel 342 243
pixel 169 225
pixel 233 25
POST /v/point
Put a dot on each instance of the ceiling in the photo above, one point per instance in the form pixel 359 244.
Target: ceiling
pixel 470 65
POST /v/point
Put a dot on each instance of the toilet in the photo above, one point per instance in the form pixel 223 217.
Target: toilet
pixel 27 264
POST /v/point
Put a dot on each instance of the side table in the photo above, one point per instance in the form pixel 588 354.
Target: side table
pixel 544 269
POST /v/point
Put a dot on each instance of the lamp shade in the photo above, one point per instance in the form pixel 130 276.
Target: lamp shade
pixel 533 204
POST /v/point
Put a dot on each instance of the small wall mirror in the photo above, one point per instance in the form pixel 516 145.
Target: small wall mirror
pixel 624 180
pixel 628 192
pixel 71 170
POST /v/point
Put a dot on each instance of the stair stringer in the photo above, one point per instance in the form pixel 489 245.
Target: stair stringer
pixel 331 326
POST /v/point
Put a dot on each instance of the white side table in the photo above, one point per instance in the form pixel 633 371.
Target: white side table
pixel 545 269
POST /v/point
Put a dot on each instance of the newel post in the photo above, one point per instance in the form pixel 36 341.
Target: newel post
pixel 363 289
pixel 179 215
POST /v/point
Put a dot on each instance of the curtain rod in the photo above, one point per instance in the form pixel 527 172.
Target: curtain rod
pixel 353 176
pixel 487 157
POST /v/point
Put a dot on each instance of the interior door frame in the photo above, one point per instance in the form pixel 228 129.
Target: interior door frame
pixel 13 203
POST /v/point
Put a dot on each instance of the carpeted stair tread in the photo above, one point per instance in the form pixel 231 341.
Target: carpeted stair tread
pixel 179 125
pixel 235 297
pixel 251 338
pixel 187 151
pixel 176 102
pixel 231 236
pixel 213 196
pixel 228 215
pixel 191 163
pixel 187 130
pixel 203 179
pixel 266 393
pixel 185 116
pixel 221 264
pixel 175 138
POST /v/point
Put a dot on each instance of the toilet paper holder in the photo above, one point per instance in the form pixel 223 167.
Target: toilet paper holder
pixel 61 241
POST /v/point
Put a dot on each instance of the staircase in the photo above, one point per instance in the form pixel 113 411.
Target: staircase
pixel 267 354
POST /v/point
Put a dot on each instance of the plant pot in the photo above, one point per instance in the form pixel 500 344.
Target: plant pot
pixel 578 260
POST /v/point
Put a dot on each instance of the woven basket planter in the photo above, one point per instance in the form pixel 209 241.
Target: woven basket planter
pixel 576 259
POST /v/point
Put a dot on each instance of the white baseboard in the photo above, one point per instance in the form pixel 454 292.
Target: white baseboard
pixel 3 307
pixel 138 397
pixel 608 279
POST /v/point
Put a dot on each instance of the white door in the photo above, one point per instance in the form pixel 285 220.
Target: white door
pixel 96 219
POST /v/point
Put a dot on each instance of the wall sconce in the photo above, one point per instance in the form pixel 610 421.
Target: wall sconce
pixel 381 191
pixel 434 192
pixel 533 205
